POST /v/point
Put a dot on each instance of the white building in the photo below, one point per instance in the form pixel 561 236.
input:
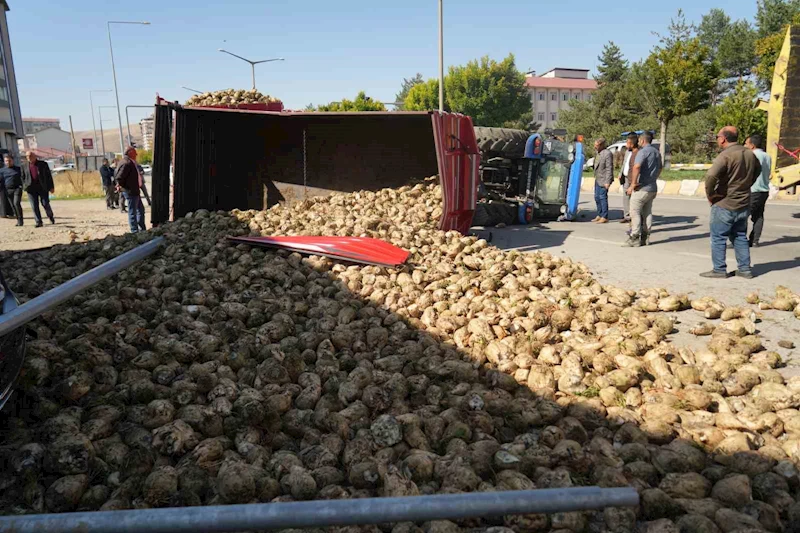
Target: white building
pixel 34 124
pixel 10 116
pixel 148 126
pixel 555 90
pixel 52 138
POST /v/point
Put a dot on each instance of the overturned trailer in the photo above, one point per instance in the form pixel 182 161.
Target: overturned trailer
pixel 227 159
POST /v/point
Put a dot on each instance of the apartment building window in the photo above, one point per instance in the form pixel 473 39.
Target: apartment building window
pixel 553 97
pixel 4 94
pixel 577 96
pixel 553 117
pixel 541 97
pixel 565 97
pixel 540 117
pixel 589 97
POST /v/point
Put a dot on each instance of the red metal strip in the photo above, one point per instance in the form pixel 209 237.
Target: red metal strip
pixel 357 249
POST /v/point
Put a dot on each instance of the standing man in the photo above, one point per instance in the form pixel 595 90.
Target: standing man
pixel 143 185
pixel 127 178
pixel 107 179
pixel 38 183
pixel 759 192
pixel 603 178
pixel 11 178
pixel 643 190
pixel 632 145
pixel 728 184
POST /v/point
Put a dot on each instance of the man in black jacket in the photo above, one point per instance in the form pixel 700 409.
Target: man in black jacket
pixel 107 179
pixel 11 176
pixel 129 181
pixel 38 183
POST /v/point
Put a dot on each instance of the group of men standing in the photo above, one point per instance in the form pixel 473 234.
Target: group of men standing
pixel 128 179
pixel 35 179
pixel 736 185
pixel 640 171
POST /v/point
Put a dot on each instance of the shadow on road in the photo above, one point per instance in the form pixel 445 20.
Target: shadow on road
pixel 528 238
pixel 681 238
pixel 775 266
pixel 662 220
pixel 679 228
pixel 783 240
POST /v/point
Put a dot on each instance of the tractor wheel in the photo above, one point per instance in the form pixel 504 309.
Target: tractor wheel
pixel 492 214
pixel 501 142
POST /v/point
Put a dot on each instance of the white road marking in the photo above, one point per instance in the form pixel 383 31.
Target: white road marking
pixel 690 254
pixel 786 226
pixel 594 240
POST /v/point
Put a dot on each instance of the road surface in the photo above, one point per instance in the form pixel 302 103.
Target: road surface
pixel 679 251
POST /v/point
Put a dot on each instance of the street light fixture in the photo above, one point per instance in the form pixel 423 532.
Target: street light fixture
pixel 102 134
pixel 114 73
pixel 94 126
pixel 252 63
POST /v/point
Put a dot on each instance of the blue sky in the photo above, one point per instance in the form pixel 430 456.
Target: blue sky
pixel 332 49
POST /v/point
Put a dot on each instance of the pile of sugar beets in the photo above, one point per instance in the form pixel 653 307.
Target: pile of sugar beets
pixel 215 373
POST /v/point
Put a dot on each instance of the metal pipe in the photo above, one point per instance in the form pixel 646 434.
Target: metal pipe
pixel 52 298
pixel 260 516
pixel 441 56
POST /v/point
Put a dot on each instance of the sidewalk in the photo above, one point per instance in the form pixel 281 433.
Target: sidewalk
pixel 688 188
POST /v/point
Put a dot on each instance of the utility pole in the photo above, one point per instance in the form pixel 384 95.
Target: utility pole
pixel 94 126
pixel 441 57
pixel 74 149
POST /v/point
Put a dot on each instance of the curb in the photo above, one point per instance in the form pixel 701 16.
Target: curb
pixel 690 188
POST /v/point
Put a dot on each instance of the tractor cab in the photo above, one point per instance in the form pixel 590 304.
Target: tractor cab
pixel 550 172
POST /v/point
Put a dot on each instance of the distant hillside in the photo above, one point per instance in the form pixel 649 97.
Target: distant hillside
pixel 111 136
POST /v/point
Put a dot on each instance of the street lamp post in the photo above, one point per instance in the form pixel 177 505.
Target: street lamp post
pixel 252 63
pixel 94 126
pixel 441 57
pixel 114 73
pixel 102 134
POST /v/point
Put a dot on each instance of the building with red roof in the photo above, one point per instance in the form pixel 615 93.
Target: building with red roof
pixel 555 91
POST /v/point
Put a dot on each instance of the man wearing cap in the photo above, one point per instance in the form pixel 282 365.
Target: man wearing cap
pixel 128 180
pixel 38 183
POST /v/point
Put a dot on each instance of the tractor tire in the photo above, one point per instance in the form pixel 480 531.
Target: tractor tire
pixel 491 214
pixel 501 142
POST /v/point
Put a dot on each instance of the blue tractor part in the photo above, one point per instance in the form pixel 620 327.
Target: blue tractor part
pixel 574 187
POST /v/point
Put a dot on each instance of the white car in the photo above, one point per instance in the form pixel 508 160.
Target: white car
pixel 147 169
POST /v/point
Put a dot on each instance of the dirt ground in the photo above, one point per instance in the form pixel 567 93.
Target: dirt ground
pixel 76 220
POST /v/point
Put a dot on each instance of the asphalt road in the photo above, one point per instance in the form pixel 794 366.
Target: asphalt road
pixel 679 251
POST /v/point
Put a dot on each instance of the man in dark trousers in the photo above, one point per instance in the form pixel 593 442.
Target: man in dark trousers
pixel 38 183
pixel 759 192
pixel 107 179
pixel 128 180
pixel 11 177
pixel 728 184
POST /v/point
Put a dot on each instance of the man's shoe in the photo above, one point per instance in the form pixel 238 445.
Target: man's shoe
pixel 39 224
pixel 633 242
pixel 19 223
pixel 746 274
pixel 52 221
pixel 714 274
pixel 595 219
pixel 625 220
pixel 645 239
pixel 124 211
pixel 601 221
pixel 754 244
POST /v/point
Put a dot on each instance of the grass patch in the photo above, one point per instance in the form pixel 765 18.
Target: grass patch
pixel 591 392
pixel 74 185
pixel 667 175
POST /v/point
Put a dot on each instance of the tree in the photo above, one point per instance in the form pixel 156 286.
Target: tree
pixel 739 109
pixel 362 102
pixel 737 50
pixel 678 30
pixel 424 97
pixel 492 93
pixel 773 15
pixel 676 80
pixel 613 67
pixel 144 157
pixel 713 27
pixel 767 50
pixel 408 83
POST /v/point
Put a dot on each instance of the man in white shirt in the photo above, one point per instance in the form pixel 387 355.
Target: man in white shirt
pixel 759 192
pixel 624 175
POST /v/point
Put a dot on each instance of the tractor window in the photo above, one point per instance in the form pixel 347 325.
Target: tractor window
pixel 550 188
